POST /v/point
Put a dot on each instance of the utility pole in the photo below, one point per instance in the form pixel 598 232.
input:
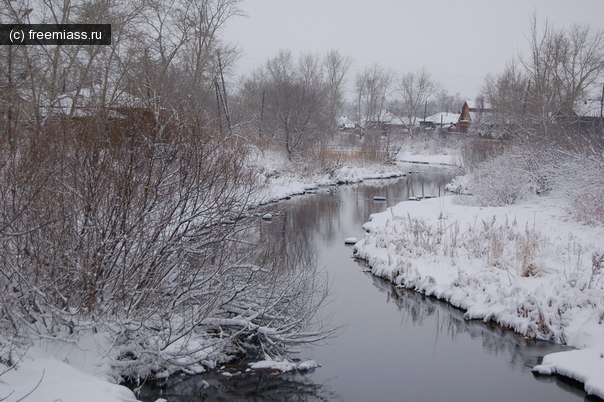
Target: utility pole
pixel 261 115
pixel 216 87
pixel 227 115
pixel 425 110
pixel 528 89
pixel 602 102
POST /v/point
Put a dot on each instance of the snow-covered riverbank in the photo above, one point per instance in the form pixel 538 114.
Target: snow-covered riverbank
pixel 80 369
pixel 529 267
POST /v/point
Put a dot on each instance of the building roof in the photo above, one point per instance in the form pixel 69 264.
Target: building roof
pixel 387 117
pixel 444 118
pixel 88 98
pixel 588 108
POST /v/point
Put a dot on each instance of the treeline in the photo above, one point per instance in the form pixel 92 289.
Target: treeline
pixel 547 107
pixel 295 103
pixel 553 90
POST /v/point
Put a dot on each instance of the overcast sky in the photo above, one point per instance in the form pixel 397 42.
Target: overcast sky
pixel 457 41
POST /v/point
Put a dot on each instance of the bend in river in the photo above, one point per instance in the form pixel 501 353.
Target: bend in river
pixel 394 344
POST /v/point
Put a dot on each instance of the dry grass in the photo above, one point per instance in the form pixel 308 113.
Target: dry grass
pixel 503 245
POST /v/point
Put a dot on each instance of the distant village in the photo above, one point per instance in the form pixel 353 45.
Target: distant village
pixel 476 116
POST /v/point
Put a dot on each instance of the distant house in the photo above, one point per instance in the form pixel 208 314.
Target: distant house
pixel 441 120
pixel 121 113
pixel 90 100
pixel 585 115
pixel 471 113
pixel 345 124
pixel 386 121
pixel 589 108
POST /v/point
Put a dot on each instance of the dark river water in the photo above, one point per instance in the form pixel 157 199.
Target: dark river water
pixel 394 344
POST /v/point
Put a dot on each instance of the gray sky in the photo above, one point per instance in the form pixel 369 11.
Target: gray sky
pixel 458 41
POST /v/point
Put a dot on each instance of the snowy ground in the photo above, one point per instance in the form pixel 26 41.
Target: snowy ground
pixel 69 371
pixel 529 267
pixel 282 179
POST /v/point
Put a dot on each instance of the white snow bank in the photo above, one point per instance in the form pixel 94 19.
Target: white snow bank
pixel 285 183
pixel 42 378
pixel 283 365
pixel 526 266
pixel 281 178
pixel 436 159
pixel 585 365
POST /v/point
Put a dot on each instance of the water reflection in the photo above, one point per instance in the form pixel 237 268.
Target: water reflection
pixel 520 352
pixel 414 185
pixel 300 222
pixel 417 310
pixel 266 386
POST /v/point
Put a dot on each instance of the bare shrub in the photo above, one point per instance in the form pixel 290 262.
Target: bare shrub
pixel 580 179
pixel 523 168
pixel 528 245
pixel 597 268
pixel 475 151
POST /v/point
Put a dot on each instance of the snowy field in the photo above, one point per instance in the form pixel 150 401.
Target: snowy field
pixel 529 267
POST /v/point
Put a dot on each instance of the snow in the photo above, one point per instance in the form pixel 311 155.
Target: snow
pixel 585 365
pixel 283 365
pixel 350 240
pixel 281 179
pixel 444 118
pixel 526 266
pixel 41 376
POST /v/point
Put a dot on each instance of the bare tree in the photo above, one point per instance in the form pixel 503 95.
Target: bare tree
pixel 166 54
pixel 336 68
pixel 415 89
pixel 445 102
pixel 583 63
pixel 562 65
pixel 372 87
pixel 294 102
pixel 539 94
pixel 508 94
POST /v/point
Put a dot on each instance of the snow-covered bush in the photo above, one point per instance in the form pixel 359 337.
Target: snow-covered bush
pixel 516 172
pixel 580 178
pixel 500 181
pixel 459 184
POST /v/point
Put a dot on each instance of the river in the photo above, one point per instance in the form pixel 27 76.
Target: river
pixel 393 344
